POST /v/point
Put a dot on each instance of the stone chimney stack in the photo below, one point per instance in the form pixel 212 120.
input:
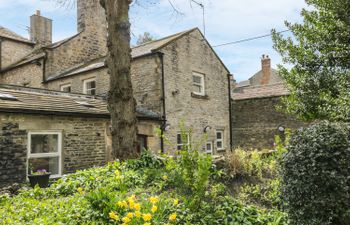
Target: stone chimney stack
pixel 40 29
pixel 266 69
pixel 91 16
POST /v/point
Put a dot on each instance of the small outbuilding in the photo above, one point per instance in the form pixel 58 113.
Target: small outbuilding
pixel 59 132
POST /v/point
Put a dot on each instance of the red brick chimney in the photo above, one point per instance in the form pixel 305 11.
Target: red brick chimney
pixel 266 69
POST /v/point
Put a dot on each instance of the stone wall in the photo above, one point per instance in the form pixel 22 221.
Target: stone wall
pixel 30 75
pixel 146 82
pixel 77 81
pixel 89 44
pixel 255 122
pixel 182 57
pixel 145 77
pixel 13 153
pixel 84 142
pixel 12 51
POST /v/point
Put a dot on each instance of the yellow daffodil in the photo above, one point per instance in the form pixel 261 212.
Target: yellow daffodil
pixel 126 219
pixel 122 204
pixel 147 224
pixel 138 214
pixel 131 203
pixel 176 202
pixel 154 199
pixel 154 208
pixel 113 216
pixel 130 215
pixel 137 206
pixel 132 197
pixel 172 217
pixel 147 217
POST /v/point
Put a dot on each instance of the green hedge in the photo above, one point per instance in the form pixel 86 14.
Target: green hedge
pixel 316 175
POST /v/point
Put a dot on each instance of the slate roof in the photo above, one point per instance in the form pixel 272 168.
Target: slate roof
pixel 261 91
pixel 6 33
pixel 41 101
pixel 153 46
pixel 137 51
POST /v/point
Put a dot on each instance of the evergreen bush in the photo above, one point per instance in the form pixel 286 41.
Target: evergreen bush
pixel 316 175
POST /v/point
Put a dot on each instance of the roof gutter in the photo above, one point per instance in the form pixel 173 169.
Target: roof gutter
pixel 77 114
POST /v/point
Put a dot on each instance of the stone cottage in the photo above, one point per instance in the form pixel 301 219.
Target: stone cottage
pixel 255 119
pixel 179 77
pixel 57 131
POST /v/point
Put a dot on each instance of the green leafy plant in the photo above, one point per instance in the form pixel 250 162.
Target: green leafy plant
pixel 315 175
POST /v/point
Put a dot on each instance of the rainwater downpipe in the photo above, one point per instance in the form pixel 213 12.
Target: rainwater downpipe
pixel 230 109
pixel 164 119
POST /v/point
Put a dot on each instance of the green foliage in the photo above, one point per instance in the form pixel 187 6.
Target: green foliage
pixel 173 190
pixel 144 38
pixel 315 175
pixel 226 210
pixel 241 163
pixel 189 174
pixel 266 194
pixel 319 80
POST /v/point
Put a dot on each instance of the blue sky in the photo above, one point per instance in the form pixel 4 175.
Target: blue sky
pixel 226 21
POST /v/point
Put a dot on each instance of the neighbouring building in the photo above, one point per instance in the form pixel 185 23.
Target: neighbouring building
pixel 57 131
pixel 179 77
pixel 255 119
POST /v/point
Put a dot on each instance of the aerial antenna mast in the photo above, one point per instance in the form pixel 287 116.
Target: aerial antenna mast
pixel 203 13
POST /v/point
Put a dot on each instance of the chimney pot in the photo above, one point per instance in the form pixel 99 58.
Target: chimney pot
pixel 266 70
pixel 37 12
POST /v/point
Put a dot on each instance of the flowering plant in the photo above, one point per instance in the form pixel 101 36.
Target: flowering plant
pixel 41 172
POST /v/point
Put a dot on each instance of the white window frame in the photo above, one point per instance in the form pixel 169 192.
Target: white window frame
pixel 65 86
pixel 220 140
pixel 46 155
pixel 85 90
pixel 202 84
pixel 211 151
pixel 182 144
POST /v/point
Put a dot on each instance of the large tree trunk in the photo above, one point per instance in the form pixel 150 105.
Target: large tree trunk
pixel 121 103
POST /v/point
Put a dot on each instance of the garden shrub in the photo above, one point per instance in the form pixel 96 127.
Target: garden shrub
pixel 243 164
pixel 316 175
pixel 152 190
pixel 266 194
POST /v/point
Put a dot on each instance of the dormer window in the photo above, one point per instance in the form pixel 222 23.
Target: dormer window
pixel 89 86
pixel 198 86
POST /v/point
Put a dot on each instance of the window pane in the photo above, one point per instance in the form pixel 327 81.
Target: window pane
pixel 179 141
pixel 197 89
pixel 92 84
pixel 197 79
pixel 92 92
pixel 208 146
pixel 44 143
pixel 48 164
pixel 219 135
pixel 219 144
pixel 66 89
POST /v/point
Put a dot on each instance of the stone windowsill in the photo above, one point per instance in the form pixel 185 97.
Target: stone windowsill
pixel 193 95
